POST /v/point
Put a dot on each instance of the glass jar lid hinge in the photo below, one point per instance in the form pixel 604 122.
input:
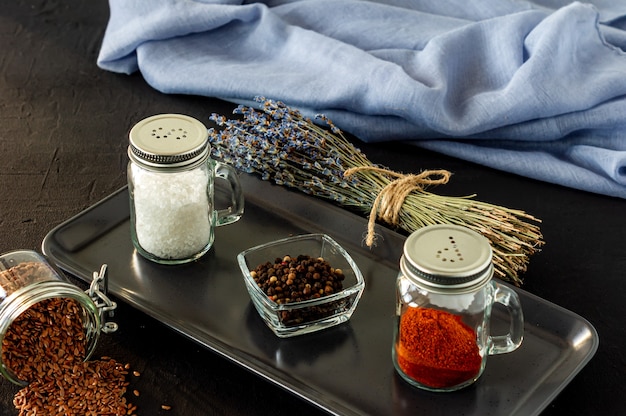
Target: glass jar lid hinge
pixel 97 291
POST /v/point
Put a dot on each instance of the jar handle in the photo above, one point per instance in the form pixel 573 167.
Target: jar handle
pixel 501 344
pixel 235 211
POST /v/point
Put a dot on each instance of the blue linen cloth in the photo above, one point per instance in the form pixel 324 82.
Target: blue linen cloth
pixel 537 88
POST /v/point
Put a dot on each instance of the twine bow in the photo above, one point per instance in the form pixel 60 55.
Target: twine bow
pixel 388 203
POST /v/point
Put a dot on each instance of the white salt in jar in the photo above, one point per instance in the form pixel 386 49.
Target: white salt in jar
pixel 171 186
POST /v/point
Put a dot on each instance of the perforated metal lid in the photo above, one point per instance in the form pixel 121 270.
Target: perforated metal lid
pixel 168 140
pixel 447 258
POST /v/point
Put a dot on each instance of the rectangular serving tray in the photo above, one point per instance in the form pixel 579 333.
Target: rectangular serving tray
pixel 344 370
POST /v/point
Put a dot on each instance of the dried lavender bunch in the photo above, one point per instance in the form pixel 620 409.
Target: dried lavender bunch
pixel 279 144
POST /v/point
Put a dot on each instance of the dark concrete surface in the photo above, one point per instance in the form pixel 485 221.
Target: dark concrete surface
pixel 63 139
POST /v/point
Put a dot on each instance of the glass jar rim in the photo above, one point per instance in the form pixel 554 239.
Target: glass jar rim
pixel 430 282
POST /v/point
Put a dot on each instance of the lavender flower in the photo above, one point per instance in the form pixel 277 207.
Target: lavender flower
pixel 278 144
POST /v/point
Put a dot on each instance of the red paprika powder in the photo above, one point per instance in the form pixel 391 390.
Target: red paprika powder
pixel 436 349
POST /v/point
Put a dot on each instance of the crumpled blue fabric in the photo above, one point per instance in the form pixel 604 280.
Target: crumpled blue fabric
pixel 537 88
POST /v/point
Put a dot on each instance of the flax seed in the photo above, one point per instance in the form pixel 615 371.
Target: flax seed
pixel 46 347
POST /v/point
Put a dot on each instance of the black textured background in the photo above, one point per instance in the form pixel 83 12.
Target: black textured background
pixel 63 126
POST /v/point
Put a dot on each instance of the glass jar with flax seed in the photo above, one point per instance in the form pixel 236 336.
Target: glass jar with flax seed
pixel 42 314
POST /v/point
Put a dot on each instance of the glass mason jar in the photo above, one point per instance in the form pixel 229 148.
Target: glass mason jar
pixel 444 299
pixel 171 186
pixel 26 279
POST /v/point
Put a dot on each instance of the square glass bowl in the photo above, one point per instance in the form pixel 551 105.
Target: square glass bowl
pixel 295 318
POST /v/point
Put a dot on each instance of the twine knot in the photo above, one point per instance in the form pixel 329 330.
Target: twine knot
pixel 388 203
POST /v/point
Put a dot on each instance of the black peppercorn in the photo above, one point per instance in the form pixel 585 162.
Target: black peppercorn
pixel 298 279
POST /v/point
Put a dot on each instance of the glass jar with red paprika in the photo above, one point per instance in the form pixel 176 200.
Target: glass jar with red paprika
pixel 445 294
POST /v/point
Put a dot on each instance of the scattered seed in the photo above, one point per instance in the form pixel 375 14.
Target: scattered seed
pixel 136 393
pixel 46 347
pixel 136 373
pixel 166 407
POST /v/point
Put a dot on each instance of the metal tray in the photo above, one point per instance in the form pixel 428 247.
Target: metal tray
pixel 345 370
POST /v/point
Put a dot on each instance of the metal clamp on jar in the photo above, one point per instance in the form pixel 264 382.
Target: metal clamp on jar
pixel 38 305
